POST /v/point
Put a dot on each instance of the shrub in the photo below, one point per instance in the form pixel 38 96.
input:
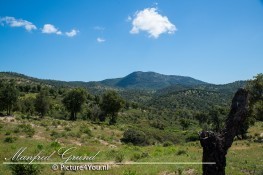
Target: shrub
pixel 192 137
pixel 55 144
pixel 54 134
pixel 180 152
pixel 144 155
pixel 167 143
pixel 40 146
pixel 8 133
pixel 119 157
pixel 86 131
pixel 25 169
pixel 158 124
pixel 137 156
pixel 10 139
pixel 185 123
pixel 67 129
pixel 135 137
pixel 28 129
pixel 180 171
pixel 16 130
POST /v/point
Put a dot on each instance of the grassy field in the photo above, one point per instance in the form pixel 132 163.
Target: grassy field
pixel 47 135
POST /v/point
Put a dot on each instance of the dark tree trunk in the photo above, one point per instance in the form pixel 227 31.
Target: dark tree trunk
pixel 215 145
pixel 73 116
pixel 113 119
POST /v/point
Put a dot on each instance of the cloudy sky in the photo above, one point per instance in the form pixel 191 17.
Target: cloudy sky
pixel 217 41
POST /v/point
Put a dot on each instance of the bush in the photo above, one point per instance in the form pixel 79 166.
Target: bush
pixel 25 169
pixel 86 131
pixel 119 157
pixel 135 137
pixel 55 144
pixel 192 137
pixel 158 124
pixel 40 146
pixel 28 129
pixel 137 156
pixel 8 133
pixel 160 136
pixel 16 130
pixel 67 128
pixel 185 123
pixel 180 152
pixel 167 143
pixel 55 134
pixel 10 139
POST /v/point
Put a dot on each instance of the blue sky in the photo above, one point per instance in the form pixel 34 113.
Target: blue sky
pixel 217 41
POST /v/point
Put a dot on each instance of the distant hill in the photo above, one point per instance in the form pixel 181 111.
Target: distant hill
pixel 229 88
pixel 93 87
pixel 150 89
pixel 151 81
pixel 195 97
pixel 135 80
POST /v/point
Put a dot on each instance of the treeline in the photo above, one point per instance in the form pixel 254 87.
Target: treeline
pixel 59 102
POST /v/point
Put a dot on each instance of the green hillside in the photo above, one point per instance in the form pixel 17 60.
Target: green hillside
pixel 152 80
pixel 147 88
pixel 127 124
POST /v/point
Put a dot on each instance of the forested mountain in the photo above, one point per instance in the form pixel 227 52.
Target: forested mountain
pixel 195 97
pixel 148 89
pixel 153 81
pixel 135 80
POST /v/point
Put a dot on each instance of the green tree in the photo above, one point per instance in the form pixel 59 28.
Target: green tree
pixel 185 123
pixel 8 96
pixel 201 117
pixel 95 113
pixel 111 104
pixel 217 118
pixel 74 100
pixel 255 88
pixel 28 105
pixel 42 103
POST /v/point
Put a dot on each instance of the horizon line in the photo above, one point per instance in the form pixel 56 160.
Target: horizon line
pixel 91 81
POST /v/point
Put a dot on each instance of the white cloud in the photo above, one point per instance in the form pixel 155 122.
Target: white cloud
pixel 151 21
pixel 13 22
pixel 72 33
pixel 100 40
pixel 49 29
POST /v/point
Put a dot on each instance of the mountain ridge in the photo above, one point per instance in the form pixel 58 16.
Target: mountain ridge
pixel 135 80
pixel 148 89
